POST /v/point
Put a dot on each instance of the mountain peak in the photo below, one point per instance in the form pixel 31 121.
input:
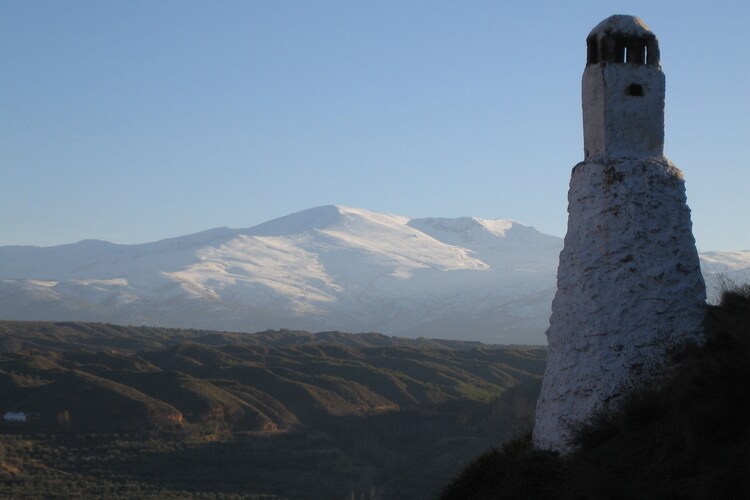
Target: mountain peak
pixel 320 218
pixel 299 222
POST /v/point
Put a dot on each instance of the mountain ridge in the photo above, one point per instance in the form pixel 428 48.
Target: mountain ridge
pixel 326 268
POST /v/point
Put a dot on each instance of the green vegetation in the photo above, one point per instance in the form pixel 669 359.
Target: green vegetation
pixel 124 412
pixel 685 438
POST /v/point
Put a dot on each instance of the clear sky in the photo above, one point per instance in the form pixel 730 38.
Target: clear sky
pixel 133 121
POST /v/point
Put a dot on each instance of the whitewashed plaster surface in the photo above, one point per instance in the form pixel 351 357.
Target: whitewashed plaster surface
pixel 629 288
pixel 617 124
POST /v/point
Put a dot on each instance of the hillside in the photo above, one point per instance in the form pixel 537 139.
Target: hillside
pixel 687 438
pixel 370 411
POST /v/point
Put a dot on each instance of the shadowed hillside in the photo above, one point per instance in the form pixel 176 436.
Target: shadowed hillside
pixel 129 411
pixel 686 438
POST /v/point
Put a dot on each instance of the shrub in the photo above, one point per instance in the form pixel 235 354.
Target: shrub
pixel 687 437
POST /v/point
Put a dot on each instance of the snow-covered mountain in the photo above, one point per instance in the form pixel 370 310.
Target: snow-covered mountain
pixel 724 270
pixel 327 268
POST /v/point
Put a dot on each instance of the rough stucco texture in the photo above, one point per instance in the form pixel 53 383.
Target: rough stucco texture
pixel 616 124
pixel 629 288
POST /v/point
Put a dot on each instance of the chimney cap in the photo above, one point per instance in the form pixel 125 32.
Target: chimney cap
pixel 622 26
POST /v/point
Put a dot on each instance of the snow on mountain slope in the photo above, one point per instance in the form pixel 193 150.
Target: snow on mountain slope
pixel 96 259
pixel 312 256
pixel 500 243
pixel 326 268
pixel 725 261
pixel 329 267
pixel 724 270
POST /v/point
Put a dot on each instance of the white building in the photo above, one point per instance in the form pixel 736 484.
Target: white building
pixel 15 416
pixel 629 285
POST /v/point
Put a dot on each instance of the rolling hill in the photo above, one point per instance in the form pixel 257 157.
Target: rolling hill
pixel 123 411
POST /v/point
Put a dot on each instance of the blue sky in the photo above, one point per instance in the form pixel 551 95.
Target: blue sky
pixel 135 121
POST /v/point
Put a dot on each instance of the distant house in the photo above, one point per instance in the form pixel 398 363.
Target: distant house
pixel 15 416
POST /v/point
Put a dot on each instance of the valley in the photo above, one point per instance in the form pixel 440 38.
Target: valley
pixel 135 411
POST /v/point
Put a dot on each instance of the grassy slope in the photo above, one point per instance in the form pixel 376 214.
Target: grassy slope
pixel 686 438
